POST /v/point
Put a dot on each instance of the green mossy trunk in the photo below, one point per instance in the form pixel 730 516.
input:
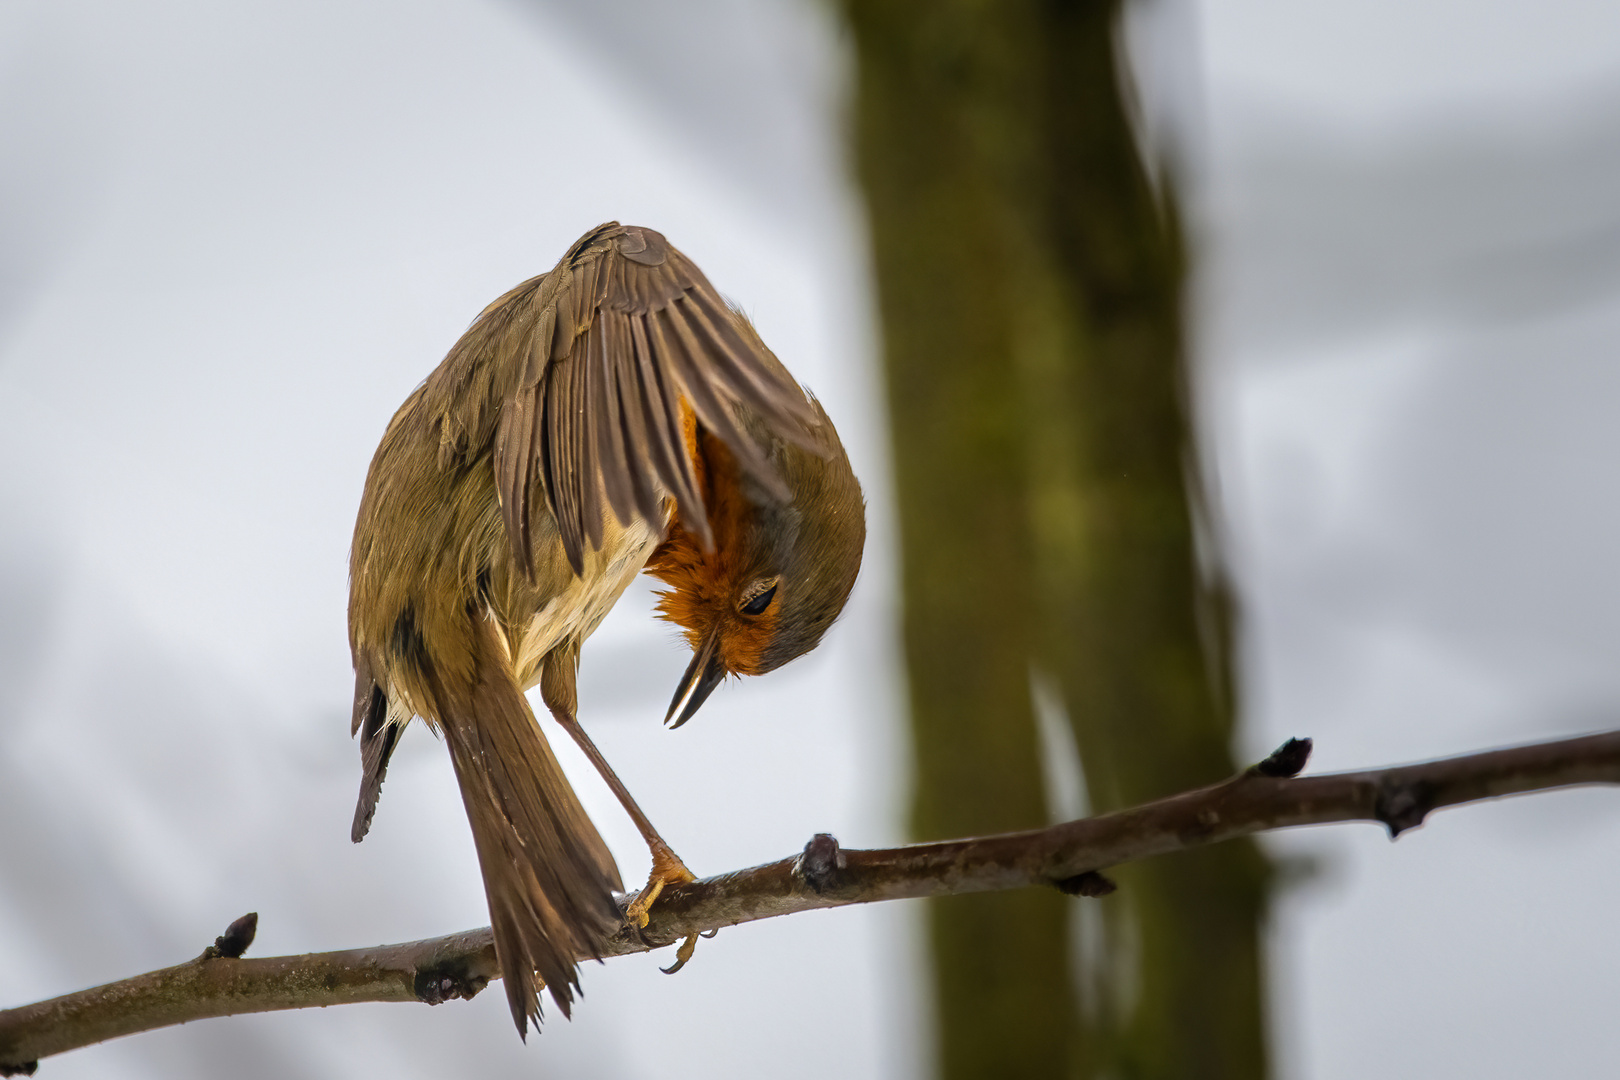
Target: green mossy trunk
pixel 1030 285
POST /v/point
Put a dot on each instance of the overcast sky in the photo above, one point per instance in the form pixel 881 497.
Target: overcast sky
pixel 232 240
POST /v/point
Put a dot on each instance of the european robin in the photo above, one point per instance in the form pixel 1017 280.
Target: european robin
pixel 611 416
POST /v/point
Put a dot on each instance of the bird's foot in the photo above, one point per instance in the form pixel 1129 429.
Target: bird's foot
pixel 667 869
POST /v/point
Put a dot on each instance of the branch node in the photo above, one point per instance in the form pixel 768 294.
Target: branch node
pixel 1287 760
pixel 1091 883
pixel 1403 805
pixel 818 865
pixel 447 982
pixel 235 940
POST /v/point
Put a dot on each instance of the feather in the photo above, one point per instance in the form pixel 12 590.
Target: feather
pixel 632 332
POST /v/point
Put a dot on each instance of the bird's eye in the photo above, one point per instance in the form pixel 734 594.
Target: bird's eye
pixel 759 598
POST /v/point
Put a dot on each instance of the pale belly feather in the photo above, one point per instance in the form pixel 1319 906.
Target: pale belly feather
pixel 579 609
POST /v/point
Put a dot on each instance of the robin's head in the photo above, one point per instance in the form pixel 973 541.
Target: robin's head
pixel 778 573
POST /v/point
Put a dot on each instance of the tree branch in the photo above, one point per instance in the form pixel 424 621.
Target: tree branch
pixel 1067 856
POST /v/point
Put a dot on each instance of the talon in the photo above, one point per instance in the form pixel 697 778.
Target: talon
pixel 682 954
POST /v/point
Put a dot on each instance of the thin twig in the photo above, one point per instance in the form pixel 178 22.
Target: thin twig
pixel 1067 856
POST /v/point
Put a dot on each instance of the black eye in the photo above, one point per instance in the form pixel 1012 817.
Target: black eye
pixel 756 604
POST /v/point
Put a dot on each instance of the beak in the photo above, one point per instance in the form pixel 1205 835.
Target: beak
pixel 703 674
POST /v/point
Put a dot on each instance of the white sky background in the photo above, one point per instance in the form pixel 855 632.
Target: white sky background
pixel 232 240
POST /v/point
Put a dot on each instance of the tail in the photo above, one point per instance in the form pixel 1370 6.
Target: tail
pixel 377 740
pixel 548 875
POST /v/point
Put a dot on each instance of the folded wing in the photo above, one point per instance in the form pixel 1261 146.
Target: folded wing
pixel 598 365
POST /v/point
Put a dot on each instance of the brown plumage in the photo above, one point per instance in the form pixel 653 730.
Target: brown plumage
pixel 608 412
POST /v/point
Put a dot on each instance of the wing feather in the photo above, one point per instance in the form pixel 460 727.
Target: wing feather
pixel 591 425
pixel 598 361
pixel 790 414
pixel 565 486
pixel 680 349
pixel 515 449
pixel 614 451
pixel 661 413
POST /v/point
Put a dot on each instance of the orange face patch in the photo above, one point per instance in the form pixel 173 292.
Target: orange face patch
pixel 703 586
pixel 744 639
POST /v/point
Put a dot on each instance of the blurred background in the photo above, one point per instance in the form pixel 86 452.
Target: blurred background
pixel 232 239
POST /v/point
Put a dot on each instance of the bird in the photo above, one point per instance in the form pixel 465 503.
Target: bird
pixel 612 416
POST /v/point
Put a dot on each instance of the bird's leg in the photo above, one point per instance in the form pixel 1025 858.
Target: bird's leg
pixel 558 692
pixel 667 868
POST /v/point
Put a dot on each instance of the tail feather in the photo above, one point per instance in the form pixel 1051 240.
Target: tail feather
pixel 377 739
pixel 547 872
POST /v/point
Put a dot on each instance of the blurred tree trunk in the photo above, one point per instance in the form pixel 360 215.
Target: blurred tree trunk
pixel 1030 284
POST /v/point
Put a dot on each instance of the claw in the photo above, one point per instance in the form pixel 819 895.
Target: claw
pixel 683 954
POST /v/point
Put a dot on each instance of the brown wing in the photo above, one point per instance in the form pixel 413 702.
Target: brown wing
pixel 622 334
